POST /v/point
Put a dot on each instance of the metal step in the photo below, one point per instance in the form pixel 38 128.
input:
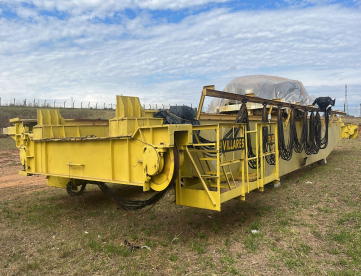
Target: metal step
pixel 208 159
pixel 204 144
pixel 202 150
pixel 209 176
pixel 226 163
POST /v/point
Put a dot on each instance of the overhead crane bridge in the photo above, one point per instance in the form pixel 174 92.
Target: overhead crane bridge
pixel 225 157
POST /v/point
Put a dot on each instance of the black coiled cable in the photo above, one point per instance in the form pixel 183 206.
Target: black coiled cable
pixel 285 150
pixel 132 205
pixel 267 147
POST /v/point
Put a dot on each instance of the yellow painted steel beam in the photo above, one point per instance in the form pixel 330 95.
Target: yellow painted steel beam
pixel 201 101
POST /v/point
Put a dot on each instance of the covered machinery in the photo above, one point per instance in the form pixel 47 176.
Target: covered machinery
pixel 209 159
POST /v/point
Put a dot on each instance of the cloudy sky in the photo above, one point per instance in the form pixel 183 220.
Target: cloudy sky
pixel 165 51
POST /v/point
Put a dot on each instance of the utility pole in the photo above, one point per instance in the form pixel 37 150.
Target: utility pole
pixel 346 101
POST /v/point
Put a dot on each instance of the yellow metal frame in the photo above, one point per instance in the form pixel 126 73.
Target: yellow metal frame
pixel 136 149
pixel 130 149
pixel 210 189
pixel 201 101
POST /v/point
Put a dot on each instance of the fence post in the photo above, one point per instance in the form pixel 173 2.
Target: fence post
pixel 64 104
pixel 96 106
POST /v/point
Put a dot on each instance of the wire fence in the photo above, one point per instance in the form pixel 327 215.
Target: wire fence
pixel 41 103
pixel 37 103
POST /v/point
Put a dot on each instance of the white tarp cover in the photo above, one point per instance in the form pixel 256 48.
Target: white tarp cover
pixel 266 87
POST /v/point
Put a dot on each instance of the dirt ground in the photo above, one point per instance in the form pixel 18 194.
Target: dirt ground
pixel 9 168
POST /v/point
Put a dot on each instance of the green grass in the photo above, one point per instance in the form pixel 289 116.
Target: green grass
pixel 303 229
pixel 7 143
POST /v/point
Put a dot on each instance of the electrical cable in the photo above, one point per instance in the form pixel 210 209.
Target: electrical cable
pixel 132 205
pixel 267 147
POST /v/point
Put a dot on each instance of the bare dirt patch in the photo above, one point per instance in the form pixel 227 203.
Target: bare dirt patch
pixel 9 168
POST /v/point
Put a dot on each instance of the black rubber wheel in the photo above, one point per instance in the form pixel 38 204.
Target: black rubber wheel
pixel 71 192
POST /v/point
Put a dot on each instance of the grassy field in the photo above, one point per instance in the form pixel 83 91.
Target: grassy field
pixel 304 229
pixel 8 112
pixel 7 144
